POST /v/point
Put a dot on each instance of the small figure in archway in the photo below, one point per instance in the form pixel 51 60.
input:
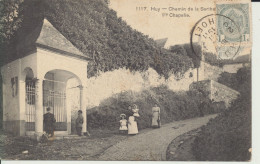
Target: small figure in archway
pixel 79 123
pixel 49 122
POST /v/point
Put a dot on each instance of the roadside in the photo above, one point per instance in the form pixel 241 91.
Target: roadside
pixel 180 149
pixel 85 148
pixel 149 144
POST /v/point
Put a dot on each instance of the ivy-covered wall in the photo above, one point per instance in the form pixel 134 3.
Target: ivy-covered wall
pixel 98 33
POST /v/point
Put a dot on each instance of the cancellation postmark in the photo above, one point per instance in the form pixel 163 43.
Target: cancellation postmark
pixel 226 33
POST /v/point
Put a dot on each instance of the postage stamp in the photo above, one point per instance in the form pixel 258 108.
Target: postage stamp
pixel 234 25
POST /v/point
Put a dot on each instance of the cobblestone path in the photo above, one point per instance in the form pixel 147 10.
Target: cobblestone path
pixel 152 144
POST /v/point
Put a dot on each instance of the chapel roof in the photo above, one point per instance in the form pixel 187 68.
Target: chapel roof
pixel 46 36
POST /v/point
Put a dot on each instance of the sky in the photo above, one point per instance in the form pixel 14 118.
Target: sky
pixel 151 22
pixel 162 18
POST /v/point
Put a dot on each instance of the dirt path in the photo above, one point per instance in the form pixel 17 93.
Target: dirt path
pixel 149 144
pixel 152 145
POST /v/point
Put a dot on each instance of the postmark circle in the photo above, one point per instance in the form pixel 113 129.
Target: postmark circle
pixel 205 33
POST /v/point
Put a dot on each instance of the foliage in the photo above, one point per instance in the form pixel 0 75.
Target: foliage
pixel 186 50
pixel 167 63
pixel 9 18
pixel 25 16
pixel 228 136
pixel 228 79
pixel 97 31
pixel 212 59
pixel 236 80
pixel 174 106
pixel 10 21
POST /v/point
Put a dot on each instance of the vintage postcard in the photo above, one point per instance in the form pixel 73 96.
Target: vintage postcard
pixel 126 80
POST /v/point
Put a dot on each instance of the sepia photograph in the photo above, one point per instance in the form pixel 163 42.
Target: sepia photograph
pixel 126 80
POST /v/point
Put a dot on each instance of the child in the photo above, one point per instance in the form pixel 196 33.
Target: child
pixel 123 123
pixel 135 110
pixel 79 123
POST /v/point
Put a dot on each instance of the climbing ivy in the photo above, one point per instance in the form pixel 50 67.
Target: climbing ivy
pixel 96 30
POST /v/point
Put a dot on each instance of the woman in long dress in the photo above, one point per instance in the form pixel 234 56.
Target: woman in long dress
pixel 156 120
pixel 132 125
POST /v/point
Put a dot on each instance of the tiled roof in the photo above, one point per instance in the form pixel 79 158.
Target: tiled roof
pixel 48 37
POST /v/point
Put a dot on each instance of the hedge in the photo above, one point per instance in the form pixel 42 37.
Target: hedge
pixel 228 136
pixel 174 106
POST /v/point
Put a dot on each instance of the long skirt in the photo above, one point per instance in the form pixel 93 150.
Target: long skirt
pixel 155 120
pixel 132 126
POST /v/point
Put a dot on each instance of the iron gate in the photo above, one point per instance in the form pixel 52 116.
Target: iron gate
pixel 56 99
pixel 30 106
pixel 54 96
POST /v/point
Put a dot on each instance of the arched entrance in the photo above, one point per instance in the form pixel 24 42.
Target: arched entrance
pixel 39 79
pixel 55 96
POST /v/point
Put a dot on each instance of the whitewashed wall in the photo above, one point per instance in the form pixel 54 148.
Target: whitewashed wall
pixel 10 102
pixel 113 82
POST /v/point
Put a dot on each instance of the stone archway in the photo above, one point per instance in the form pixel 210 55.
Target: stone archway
pixel 55 95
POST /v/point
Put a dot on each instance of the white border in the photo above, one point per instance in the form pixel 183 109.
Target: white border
pixel 255 105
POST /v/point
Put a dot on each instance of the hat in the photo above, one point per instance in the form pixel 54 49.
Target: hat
pixel 122 115
pixel 80 111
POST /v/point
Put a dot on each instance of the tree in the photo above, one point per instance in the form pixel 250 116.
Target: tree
pixel 93 28
pixel 178 49
pixel 10 20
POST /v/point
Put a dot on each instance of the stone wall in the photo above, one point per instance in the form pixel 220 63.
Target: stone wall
pixel 113 82
pixel 220 92
pixel 215 91
pixel 109 83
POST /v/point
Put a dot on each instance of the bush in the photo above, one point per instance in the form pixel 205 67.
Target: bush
pixel 239 81
pixel 174 106
pixel 228 136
